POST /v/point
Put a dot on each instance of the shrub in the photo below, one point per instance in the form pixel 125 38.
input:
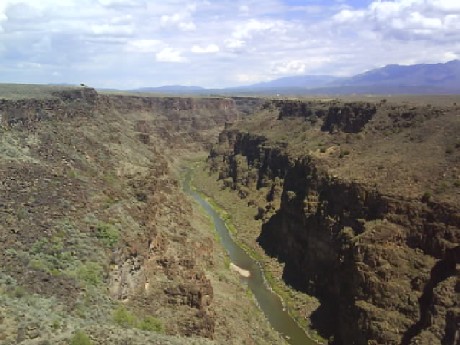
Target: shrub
pixel 124 317
pixel 38 265
pixel 426 197
pixel 11 252
pixel 107 233
pixel 22 213
pixel 73 174
pixel 55 325
pixel 151 324
pixel 110 179
pixel 127 319
pixel 90 273
pixel 19 292
pixel 80 338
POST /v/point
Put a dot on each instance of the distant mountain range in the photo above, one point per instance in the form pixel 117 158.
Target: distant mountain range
pixel 441 78
pixel 445 75
pixel 420 78
pixel 305 81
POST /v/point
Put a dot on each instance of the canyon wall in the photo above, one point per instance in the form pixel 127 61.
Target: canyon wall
pixel 59 105
pixel 189 116
pixel 385 266
pixel 93 218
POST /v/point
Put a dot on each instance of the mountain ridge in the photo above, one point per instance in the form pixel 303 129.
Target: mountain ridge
pixel 418 78
pixel 443 75
pixel 437 78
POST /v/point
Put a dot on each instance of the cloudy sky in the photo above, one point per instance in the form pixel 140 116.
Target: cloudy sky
pixel 217 43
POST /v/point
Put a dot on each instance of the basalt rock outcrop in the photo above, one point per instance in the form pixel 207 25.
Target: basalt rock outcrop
pixel 297 108
pixel 384 265
pixel 349 118
pixel 337 116
pixel 63 104
pixel 179 120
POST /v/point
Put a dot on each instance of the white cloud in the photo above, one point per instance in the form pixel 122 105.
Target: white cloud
pixel 445 5
pixel 32 65
pixel 254 26
pixel 404 19
pixel 144 46
pixel 346 15
pixel 187 26
pixel 449 56
pixel 123 19
pixel 290 67
pixel 181 18
pixel 244 9
pixel 250 77
pixel 107 29
pixel 452 22
pixel 178 20
pixel 169 54
pixel 233 43
pixel 210 48
pixel 307 65
pixel 382 11
pixel 124 3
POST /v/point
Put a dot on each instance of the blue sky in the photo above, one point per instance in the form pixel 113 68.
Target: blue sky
pixel 136 43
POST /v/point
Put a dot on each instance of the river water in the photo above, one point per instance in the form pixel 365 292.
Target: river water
pixel 268 301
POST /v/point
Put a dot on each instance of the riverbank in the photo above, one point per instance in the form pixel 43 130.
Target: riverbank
pixel 243 227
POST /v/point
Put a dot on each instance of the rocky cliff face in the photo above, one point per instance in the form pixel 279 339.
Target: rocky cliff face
pixel 180 121
pixel 95 231
pixel 346 117
pixel 384 265
pixel 63 104
pixel 172 117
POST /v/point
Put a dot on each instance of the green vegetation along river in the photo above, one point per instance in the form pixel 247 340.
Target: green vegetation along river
pixel 269 302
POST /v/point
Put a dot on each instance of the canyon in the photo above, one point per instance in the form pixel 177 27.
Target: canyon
pixel 98 240
pixel 351 206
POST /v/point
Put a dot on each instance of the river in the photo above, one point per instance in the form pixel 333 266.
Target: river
pixel 268 301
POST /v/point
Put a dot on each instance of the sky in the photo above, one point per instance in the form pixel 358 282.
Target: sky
pixel 127 44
